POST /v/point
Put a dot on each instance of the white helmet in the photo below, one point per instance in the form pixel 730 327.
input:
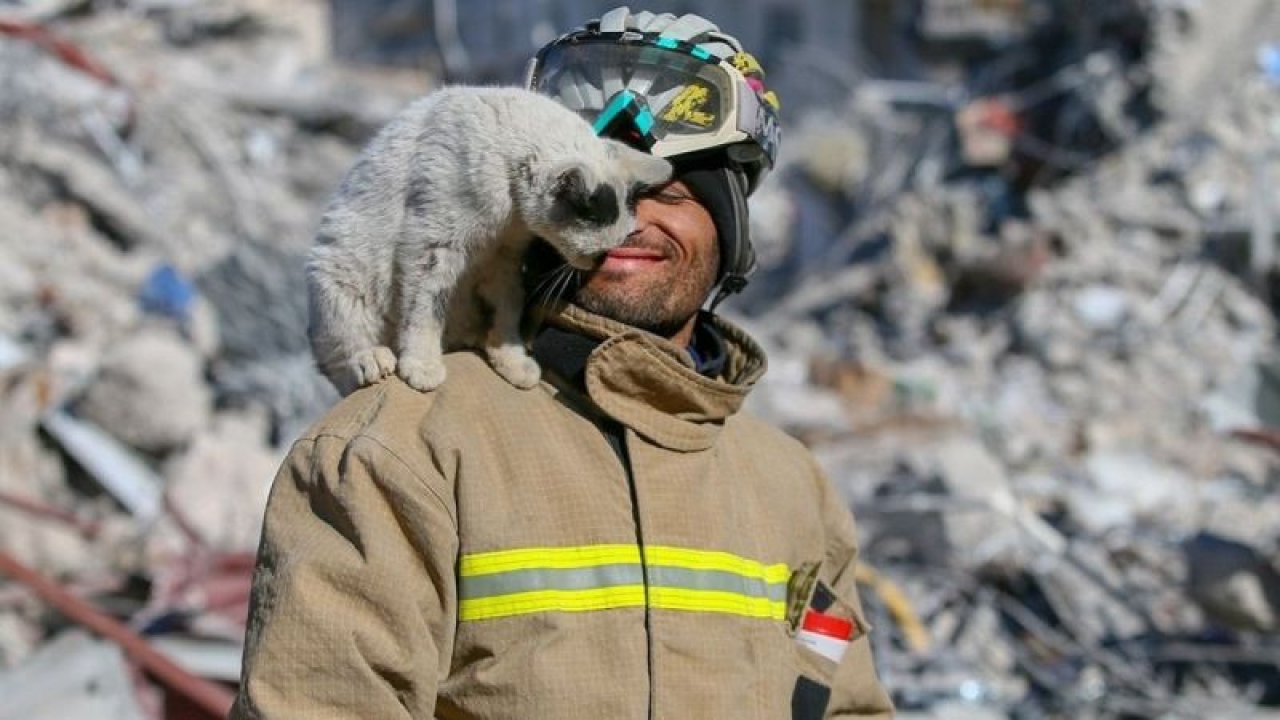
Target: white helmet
pixel 683 90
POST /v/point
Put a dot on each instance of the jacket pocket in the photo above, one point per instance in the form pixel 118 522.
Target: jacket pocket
pixel 822 624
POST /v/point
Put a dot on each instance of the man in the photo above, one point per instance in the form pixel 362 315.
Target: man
pixel 620 542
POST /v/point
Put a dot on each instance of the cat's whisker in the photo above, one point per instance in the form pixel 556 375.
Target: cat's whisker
pixel 540 289
pixel 573 280
pixel 566 282
pixel 556 285
pixel 543 284
pixel 545 281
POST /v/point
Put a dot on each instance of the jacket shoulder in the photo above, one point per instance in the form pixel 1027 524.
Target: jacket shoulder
pixel 395 414
pixel 789 467
pixel 763 437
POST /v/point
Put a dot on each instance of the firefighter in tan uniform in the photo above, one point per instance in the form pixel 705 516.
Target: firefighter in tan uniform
pixel 620 542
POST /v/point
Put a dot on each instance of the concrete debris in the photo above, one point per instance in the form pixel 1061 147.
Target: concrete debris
pixel 225 514
pixel 26 471
pixel 162 167
pixel 148 370
pixel 209 659
pixel 123 474
pixel 205 698
pixel 1054 344
pixel 1019 290
pixel 1234 582
pixel 73 677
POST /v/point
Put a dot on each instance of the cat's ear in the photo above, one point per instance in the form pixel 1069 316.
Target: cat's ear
pixel 645 168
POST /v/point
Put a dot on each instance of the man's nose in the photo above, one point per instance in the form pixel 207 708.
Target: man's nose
pixel 644 217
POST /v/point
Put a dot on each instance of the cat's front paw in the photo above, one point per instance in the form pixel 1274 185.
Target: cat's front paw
pixel 421 376
pixel 370 366
pixel 518 369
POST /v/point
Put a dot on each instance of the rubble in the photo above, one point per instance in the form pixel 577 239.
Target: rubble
pixel 162 167
pixel 203 696
pixel 146 371
pixel 73 677
pixel 1019 294
pixel 1056 386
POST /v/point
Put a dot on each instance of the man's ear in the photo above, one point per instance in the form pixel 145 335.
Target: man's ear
pixel 647 169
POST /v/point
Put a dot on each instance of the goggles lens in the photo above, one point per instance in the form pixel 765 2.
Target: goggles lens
pixel 667 93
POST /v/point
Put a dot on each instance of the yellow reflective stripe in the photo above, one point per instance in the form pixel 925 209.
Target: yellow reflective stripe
pixel 547 558
pixel 716 601
pixel 551 601
pixel 531 567
pixel 715 560
pixel 592 555
pixel 624 596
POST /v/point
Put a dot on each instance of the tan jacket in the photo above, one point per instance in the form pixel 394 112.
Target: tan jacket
pixel 483 552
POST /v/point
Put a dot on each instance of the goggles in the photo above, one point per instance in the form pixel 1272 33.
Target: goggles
pixel 666 96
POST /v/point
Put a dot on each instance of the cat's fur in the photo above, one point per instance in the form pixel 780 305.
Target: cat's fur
pixel 420 249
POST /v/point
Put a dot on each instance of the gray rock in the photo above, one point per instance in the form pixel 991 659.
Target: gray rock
pixel 150 392
pixel 75 677
pixel 1234 583
pixel 1101 307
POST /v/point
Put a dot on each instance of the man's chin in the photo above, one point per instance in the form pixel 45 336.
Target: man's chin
pixel 639 310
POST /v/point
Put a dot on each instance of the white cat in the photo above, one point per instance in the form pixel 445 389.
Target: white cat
pixel 421 247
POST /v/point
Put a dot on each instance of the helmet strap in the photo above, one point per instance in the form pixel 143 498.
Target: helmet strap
pixel 742 261
pixel 730 285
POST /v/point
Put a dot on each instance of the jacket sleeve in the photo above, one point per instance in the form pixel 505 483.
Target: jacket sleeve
pixel 856 691
pixel 353 604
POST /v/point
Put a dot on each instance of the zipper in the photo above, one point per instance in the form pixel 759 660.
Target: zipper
pixel 616 435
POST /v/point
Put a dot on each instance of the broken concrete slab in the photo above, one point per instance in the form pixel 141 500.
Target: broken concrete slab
pixel 226 515
pixel 1237 585
pixel 121 472
pixel 73 677
pixel 150 392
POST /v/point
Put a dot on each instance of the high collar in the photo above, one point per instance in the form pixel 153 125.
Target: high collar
pixel 648 383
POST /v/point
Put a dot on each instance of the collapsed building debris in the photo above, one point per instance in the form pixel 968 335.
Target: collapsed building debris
pixel 1026 319
pixel 1049 396
pixel 162 166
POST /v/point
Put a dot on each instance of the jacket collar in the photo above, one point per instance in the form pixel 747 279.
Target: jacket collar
pixel 647 383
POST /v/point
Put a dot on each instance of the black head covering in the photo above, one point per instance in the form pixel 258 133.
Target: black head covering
pixel 722 190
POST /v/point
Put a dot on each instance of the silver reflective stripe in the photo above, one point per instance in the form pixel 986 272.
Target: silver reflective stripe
pixel 682 578
pixel 517 581
pixel 601 576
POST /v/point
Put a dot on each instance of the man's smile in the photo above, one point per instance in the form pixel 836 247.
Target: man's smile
pixel 627 258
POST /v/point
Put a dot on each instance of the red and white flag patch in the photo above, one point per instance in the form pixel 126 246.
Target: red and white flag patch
pixel 825 634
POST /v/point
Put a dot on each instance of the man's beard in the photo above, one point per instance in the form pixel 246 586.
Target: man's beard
pixel 651 311
pixel 659 308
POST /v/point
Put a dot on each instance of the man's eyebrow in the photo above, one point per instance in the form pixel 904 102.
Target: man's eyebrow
pixel 668 192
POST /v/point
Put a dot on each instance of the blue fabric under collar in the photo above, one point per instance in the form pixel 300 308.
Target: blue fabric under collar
pixel 707 349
